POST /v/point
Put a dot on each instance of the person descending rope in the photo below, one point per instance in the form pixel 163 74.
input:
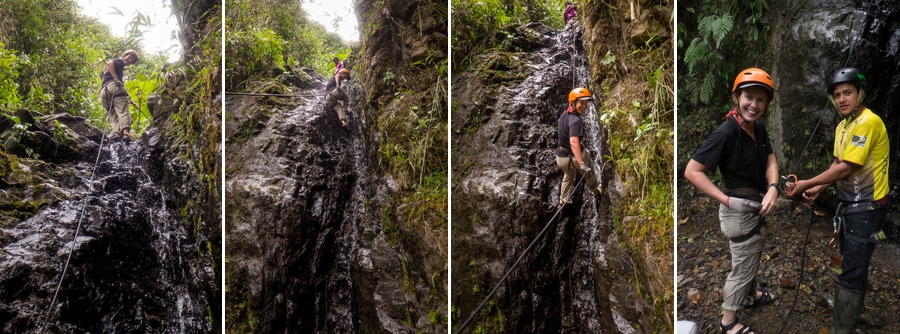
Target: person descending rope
pixel 336 94
pixel 338 65
pixel 115 98
pixel 569 13
pixel 570 154
pixel 740 148
pixel 859 171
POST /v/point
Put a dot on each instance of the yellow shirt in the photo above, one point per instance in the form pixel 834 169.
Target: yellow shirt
pixel 863 143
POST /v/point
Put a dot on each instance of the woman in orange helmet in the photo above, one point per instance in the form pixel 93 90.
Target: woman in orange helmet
pixel 115 98
pixel 740 148
pixel 570 154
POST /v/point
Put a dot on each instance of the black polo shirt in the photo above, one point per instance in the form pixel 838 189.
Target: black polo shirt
pixel 332 83
pixel 741 159
pixel 119 65
pixel 570 125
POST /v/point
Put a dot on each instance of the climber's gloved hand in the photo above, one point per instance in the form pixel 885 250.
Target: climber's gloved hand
pixel 585 168
pixel 743 205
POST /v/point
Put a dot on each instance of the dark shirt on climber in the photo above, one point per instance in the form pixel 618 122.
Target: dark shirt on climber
pixel 570 125
pixel 331 84
pixel 107 78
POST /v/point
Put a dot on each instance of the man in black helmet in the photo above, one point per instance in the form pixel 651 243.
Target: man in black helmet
pixel 859 171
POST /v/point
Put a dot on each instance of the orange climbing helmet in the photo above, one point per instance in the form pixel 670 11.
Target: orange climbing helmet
pixel 754 77
pixel 133 53
pixel 581 94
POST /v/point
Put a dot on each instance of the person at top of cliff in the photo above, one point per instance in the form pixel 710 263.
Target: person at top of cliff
pixel 859 171
pixel 114 96
pixel 338 65
pixel 571 155
pixel 335 98
pixel 740 148
pixel 569 13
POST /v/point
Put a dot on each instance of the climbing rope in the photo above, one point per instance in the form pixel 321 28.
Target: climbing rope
pixel 276 95
pixel 74 238
pixel 794 171
pixel 508 271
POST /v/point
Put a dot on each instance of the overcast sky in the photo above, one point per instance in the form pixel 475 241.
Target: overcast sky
pixel 336 15
pixel 326 11
pixel 158 38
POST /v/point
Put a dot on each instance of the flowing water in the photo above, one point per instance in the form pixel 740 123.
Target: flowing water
pixel 132 267
pixel 578 279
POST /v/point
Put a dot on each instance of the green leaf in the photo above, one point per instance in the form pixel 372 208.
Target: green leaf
pixel 721 28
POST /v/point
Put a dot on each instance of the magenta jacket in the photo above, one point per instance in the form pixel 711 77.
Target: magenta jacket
pixel 569 13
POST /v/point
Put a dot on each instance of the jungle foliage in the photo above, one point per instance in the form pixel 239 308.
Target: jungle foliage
pixel 263 35
pixel 474 22
pixel 716 39
pixel 52 58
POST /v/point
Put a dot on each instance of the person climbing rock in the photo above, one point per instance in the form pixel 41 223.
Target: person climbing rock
pixel 740 148
pixel 338 64
pixel 859 171
pixel 115 98
pixel 569 13
pixel 570 154
pixel 336 94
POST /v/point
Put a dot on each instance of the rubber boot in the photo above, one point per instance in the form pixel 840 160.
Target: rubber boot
pixel 847 308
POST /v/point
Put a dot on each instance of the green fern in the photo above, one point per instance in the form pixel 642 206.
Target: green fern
pixel 695 53
pixel 706 89
pixel 721 27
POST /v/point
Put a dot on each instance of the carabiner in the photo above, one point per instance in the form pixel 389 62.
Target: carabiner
pixel 788 182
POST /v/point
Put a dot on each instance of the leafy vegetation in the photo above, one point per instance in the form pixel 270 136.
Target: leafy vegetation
pixel 474 22
pixel 52 57
pixel 716 39
pixel 265 35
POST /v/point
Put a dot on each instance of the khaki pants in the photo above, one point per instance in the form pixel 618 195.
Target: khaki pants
pixel 118 114
pixel 569 170
pixel 332 100
pixel 740 286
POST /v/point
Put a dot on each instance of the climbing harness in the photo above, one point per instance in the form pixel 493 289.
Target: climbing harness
pixel 276 95
pixel 74 238
pixel 509 271
pixel 796 167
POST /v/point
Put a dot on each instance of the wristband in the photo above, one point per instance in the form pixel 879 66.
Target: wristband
pixel 773 185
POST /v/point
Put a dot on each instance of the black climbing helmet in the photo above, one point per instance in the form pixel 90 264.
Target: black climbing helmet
pixel 848 74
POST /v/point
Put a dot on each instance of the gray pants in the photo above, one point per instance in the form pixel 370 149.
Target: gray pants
pixel 569 170
pixel 332 99
pixel 115 102
pixel 740 286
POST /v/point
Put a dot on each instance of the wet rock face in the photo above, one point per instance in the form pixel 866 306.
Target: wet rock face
pixel 291 216
pixel 306 250
pixel 506 185
pixel 820 35
pixel 133 267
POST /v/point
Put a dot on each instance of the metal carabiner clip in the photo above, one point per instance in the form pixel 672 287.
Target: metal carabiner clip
pixel 834 240
pixel 788 182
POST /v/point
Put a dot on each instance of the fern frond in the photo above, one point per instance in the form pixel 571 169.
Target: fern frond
pixel 721 27
pixel 703 27
pixel 693 53
pixel 706 88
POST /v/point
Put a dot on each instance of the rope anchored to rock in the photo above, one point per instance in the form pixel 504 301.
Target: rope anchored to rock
pixel 265 94
pixel 74 238
pixel 538 237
